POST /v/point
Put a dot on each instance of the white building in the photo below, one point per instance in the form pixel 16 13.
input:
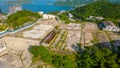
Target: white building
pixel 40 13
pixel 48 16
pixel 14 9
pixel 70 15
pixel 110 26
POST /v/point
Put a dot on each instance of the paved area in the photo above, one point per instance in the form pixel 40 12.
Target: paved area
pixel 72 26
pixel 53 22
pixel 87 33
pixel 73 37
pixel 10 61
pixel 18 48
pixel 103 39
pixel 18 44
pixel 114 36
pixel 91 26
pixel 115 39
pixel 38 32
pixel 16 55
pixel 88 38
pixel 4 65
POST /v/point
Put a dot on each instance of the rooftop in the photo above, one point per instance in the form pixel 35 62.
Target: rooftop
pixel 108 23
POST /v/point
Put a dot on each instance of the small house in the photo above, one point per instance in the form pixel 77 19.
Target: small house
pixel 70 15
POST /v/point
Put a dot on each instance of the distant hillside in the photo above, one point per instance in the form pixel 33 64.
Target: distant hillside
pixel 22 18
pixel 99 8
pixel 0 11
pixel 78 3
pixel 72 3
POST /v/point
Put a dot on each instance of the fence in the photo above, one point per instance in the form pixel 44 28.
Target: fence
pixel 5 32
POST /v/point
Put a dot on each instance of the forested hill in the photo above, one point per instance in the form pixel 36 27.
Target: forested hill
pixel 77 3
pixel 102 8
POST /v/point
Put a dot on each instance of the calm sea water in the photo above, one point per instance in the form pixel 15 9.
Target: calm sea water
pixel 38 5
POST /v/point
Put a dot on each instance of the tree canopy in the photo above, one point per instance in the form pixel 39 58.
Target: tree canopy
pixel 90 57
pixel 56 60
pixel 64 17
pixel 93 57
pixel 21 18
pixel 99 8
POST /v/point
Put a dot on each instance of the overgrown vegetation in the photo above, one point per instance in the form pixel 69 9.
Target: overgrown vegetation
pixel 90 57
pixel 62 39
pixel 22 18
pixel 93 57
pixel 102 8
pixel 54 59
pixel 64 17
pixel 3 27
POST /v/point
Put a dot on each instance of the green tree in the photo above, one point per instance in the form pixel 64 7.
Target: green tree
pixel 102 8
pixel 58 60
pixel 93 57
pixel 22 17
